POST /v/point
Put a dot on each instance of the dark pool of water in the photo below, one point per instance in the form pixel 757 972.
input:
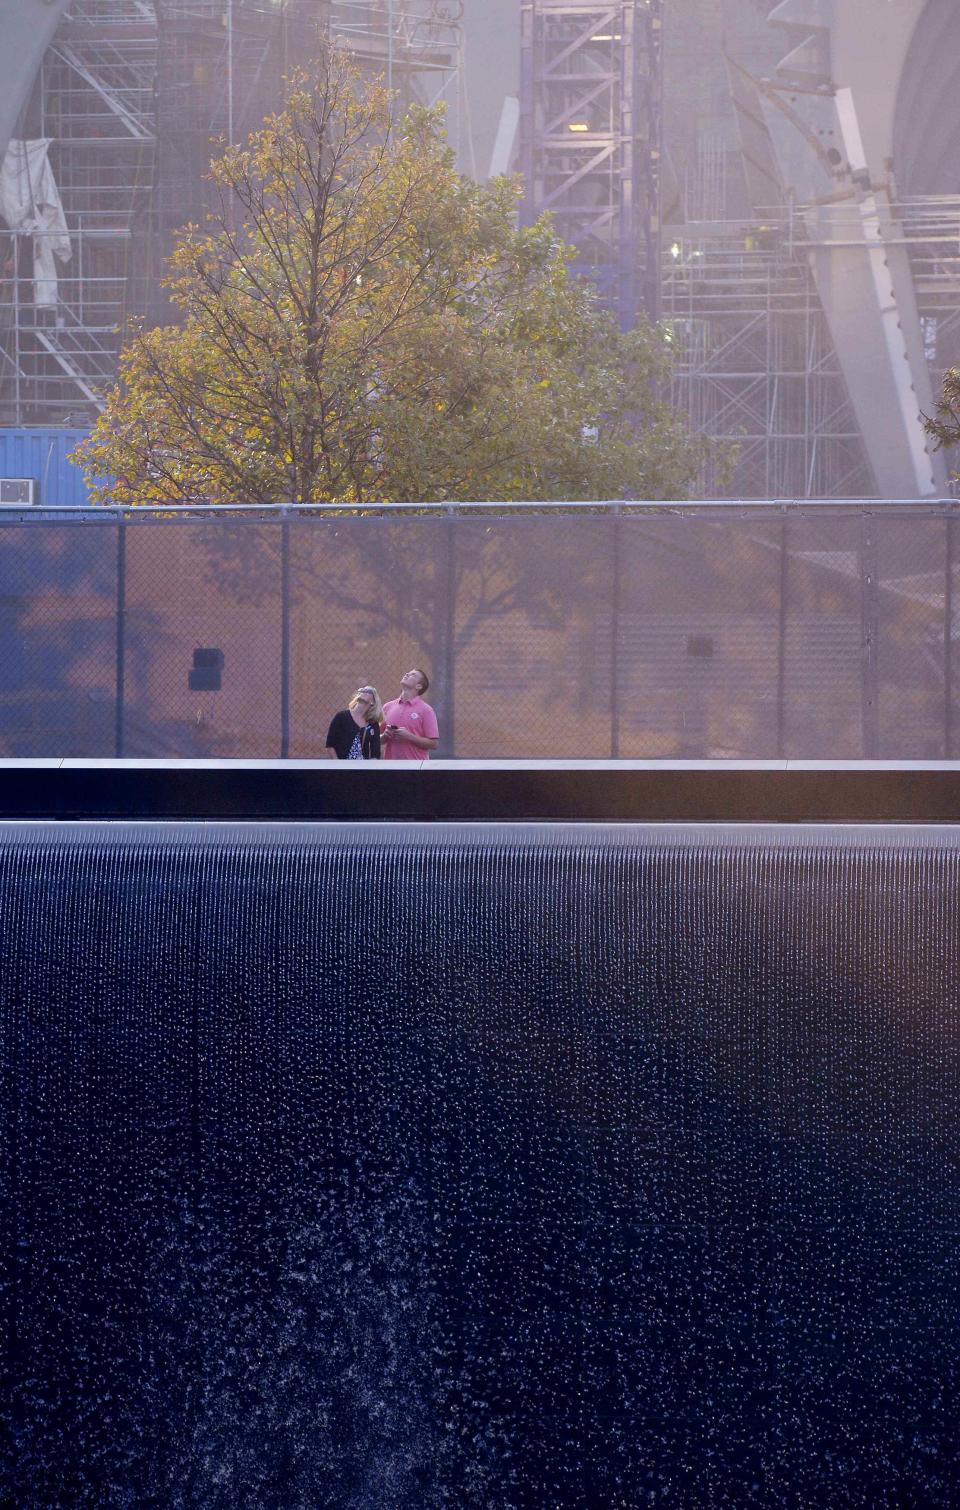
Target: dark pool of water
pixel 525 1168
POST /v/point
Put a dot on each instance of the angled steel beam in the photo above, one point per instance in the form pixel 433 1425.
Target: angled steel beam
pixel 834 146
pixel 109 95
pixel 28 29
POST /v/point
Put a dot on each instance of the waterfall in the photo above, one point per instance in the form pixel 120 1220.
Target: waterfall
pixel 521 1165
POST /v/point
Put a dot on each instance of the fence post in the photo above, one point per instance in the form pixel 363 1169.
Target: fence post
pixel 121 627
pixel 782 642
pixel 284 634
pixel 948 645
pixel 615 596
pixel 449 654
pixel 869 634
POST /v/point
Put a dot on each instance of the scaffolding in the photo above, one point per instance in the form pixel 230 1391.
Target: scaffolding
pixel 220 70
pixel 755 367
pixel 931 227
pixel 134 96
pixel 590 138
pixel 95 101
pixel 417 47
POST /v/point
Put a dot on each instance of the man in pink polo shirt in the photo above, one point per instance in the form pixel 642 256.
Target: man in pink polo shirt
pixel 409 729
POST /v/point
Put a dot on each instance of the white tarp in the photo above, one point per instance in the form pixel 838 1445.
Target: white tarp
pixel 30 202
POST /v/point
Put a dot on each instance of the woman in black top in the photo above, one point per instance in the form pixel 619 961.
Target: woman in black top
pixel 354 732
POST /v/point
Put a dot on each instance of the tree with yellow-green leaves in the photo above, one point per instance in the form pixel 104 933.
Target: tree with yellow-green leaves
pixel 944 427
pixel 359 322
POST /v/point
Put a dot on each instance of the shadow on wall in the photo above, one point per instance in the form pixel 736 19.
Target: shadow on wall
pixel 566 634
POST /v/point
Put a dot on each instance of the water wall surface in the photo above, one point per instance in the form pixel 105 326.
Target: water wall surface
pixel 410 1166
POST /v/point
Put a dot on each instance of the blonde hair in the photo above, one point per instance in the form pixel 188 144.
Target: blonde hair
pixel 375 710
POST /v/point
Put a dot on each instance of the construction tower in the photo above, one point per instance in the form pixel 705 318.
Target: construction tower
pixel 590 133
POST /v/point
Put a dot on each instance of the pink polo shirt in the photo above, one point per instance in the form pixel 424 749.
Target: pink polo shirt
pixel 419 718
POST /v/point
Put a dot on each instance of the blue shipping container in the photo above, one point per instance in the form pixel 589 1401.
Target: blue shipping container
pixel 43 455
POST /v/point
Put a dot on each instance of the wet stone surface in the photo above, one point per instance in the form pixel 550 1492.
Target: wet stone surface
pixel 608 1171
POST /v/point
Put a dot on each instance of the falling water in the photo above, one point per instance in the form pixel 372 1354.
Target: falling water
pixel 420 1167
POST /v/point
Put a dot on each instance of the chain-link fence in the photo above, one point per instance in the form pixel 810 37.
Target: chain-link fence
pixel 722 630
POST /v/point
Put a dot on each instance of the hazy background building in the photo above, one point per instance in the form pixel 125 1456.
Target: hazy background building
pixel 778 184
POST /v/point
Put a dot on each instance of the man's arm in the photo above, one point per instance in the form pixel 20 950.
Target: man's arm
pixel 406 736
pixel 429 739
